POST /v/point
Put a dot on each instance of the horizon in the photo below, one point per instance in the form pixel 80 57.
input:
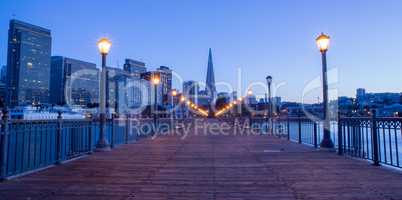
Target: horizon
pixel 180 40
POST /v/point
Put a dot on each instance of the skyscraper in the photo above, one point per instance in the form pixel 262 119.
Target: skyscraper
pixel 191 90
pixel 115 88
pixel 134 68
pixel 210 83
pixel 28 64
pixel 166 82
pixel 137 89
pixel 3 74
pixel 148 76
pixel 360 93
pixel 78 79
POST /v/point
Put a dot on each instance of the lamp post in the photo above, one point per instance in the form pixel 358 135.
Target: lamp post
pixel 155 82
pixel 249 94
pixel 269 82
pixel 104 47
pixel 323 44
pixel 174 94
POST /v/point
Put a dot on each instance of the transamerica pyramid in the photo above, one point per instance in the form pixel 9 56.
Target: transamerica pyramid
pixel 210 83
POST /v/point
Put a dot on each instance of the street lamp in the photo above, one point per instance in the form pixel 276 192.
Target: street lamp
pixel 269 82
pixel 104 47
pixel 173 95
pixel 155 81
pixel 323 45
pixel 249 94
pixel 173 116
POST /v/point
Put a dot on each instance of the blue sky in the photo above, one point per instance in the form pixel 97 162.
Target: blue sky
pixel 261 37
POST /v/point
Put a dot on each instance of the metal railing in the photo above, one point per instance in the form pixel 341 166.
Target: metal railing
pixel 29 145
pixel 372 138
pixel 376 139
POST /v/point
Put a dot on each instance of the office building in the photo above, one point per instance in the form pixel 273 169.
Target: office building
pixel 134 68
pixel 151 98
pixel 73 82
pixel 360 93
pixel 166 82
pixel 28 64
pixel 115 88
pixel 3 74
pixel 191 90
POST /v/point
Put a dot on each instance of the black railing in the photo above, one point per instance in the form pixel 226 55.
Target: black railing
pixel 377 139
pixel 372 138
pixel 28 145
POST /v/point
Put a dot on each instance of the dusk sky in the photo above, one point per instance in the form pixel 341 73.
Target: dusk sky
pixel 275 37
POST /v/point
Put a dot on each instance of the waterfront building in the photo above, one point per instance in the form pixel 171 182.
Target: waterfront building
pixel 134 68
pixel 28 64
pixel 166 82
pixel 73 82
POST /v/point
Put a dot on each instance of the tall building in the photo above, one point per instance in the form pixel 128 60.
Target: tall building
pixel 276 101
pixel 151 98
pixel 73 82
pixel 28 64
pixel 360 93
pixel 115 88
pixel 166 82
pixel 137 89
pixel 3 74
pixel 210 82
pixel 191 90
pixel 134 68
pixel 138 92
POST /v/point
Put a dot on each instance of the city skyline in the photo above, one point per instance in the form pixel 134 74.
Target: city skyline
pixel 264 45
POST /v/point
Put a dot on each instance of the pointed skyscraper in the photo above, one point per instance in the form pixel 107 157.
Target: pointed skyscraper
pixel 210 83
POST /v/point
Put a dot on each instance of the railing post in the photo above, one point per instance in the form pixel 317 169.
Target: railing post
pixel 58 138
pixel 249 121
pixel 4 145
pixel 288 128
pixel 300 129
pixel 375 139
pixel 127 129
pixel 90 135
pixel 340 138
pixel 112 132
pixel 315 134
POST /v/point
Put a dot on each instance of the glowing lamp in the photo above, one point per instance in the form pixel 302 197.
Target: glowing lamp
pixel 104 45
pixel 323 42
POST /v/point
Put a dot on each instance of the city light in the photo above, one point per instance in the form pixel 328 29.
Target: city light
pixel 194 107
pixel 174 93
pixel 323 42
pixel 104 45
pixel 155 79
